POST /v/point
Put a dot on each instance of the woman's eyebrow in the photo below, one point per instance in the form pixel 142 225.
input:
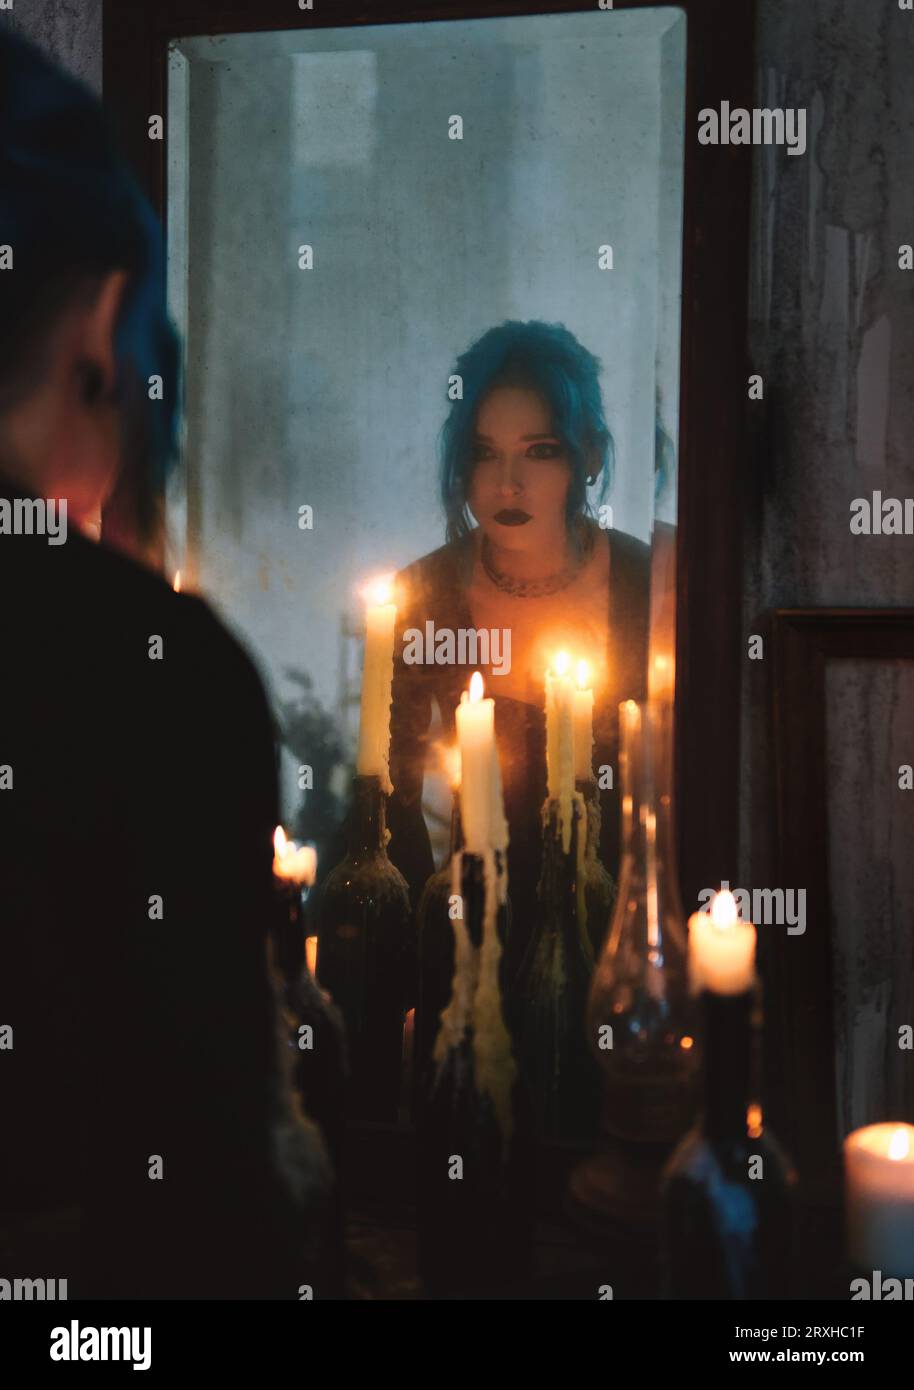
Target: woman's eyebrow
pixel 526 438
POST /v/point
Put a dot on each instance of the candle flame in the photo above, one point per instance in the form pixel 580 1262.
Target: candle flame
pixel 280 842
pixel 476 687
pixel 583 675
pixel 177 584
pixel 379 591
pixel 562 663
pixel 899 1144
pixel 311 954
pixel 631 712
pixel 686 1043
pixel 754 1126
pixel 724 911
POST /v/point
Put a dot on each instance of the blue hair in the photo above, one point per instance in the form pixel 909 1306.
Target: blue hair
pixel 72 210
pixel 548 359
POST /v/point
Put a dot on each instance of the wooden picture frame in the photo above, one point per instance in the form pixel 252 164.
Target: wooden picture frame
pixel 799 996
pixel 713 359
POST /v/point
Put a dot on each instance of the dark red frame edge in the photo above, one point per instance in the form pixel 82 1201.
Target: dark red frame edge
pixel 798 985
pixel 714 350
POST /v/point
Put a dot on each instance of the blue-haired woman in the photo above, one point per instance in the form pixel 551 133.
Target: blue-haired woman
pixel 523 555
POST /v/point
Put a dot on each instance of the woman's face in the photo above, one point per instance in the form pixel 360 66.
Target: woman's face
pixel 521 473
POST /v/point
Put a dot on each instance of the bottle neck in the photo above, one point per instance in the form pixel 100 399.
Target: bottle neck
pixel 456 826
pixel 559 880
pixel 727 1064
pixel 367 817
pixel 649 860
pixel 290 936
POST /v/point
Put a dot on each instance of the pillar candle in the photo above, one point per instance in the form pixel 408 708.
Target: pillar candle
pixel 721 949
pixel 377 678
pixel 879 1194
pixel 583 726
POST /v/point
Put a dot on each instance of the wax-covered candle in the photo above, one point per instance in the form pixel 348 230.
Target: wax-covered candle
pixel 377 678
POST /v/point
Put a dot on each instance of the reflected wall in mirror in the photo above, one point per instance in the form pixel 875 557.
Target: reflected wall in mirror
pixel 429 278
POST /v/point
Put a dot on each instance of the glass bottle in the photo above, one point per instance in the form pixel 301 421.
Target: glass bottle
pixel 476 1193
pixel 599 884
pixel 728 1188
pixel 316 1039
pixel 367 954
pixel 550 993
pixel 436 950
pixel 640 1012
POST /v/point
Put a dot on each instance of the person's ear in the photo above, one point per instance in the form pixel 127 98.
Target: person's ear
pixel 100 326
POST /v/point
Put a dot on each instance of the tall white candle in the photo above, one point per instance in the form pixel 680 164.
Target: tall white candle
pixel 879 1192
pixel 560 722
pixel 481 808
pixel 583 725
pixel 377 678
pixel 721 948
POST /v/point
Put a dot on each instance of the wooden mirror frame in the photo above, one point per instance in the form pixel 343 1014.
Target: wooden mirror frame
pixel 714 365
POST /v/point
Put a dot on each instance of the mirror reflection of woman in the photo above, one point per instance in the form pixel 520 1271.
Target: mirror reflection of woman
pixel 525 554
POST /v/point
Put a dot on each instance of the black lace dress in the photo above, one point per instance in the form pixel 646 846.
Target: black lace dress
pixel 435 588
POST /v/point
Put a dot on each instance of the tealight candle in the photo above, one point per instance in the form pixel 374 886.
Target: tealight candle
pixel 879 1195
pixel 377 680
pixel 721 949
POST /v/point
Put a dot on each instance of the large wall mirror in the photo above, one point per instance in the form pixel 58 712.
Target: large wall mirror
pixel 362 209
pixel 429 281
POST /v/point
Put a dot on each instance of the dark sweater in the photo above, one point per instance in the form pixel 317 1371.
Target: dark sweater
pixel 434 587
pixel 136 1037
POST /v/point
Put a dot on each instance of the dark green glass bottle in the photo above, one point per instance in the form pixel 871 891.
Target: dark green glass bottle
pixel 551 991
pixel 476 1174
pixel 728 1188
pixel 367 954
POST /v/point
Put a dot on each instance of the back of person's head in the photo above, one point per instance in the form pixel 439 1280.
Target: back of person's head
pixel 71 213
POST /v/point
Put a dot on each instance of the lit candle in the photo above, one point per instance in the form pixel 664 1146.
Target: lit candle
pixel 583 726
pixel 311 955
pixel 879 1191
pixel 661 677
pixel 721 948
pixel 481 809
pixel 560 728
pixel 377 679
pixel 294 863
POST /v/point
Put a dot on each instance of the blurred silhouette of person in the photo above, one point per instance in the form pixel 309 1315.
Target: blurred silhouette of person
pixel 151 1143
pixel 523 554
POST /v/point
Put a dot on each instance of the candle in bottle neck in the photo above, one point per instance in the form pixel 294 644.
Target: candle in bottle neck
pixel 583 725
pixel 377 679
pixel 721 948
pixel 476 738
pixel 560 728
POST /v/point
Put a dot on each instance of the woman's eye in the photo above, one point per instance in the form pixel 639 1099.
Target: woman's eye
pixel 552 450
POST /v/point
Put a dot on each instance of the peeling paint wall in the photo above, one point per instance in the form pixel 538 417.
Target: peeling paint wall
pixel 69 30
pixel 832 332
